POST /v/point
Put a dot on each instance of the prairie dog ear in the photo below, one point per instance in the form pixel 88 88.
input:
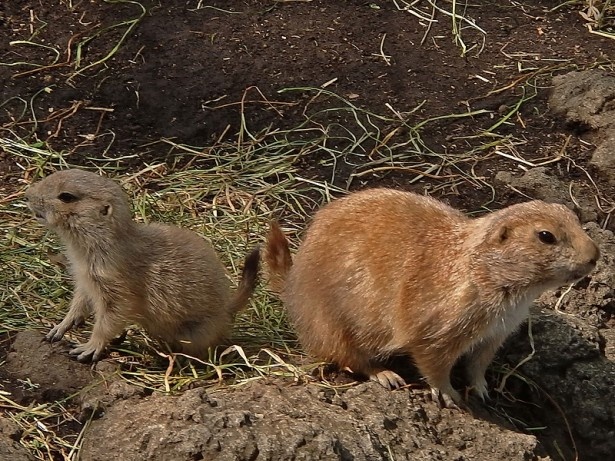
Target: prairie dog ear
pixel 106 210
pixel 500 234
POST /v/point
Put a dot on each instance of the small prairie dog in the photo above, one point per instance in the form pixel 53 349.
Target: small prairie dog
pixel 167 279
pixel 384 272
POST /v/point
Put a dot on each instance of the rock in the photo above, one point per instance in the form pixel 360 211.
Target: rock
pixel 609 348
pixel 273 422
pixel 603 158
pixel 98 398
pixel 577 382
pixel 586 98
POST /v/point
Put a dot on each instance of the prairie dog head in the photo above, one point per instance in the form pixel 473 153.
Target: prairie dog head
pixel 537 244
pixel 74 202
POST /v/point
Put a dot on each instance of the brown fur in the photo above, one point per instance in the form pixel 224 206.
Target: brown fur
pixel 384 272
pixel 167 279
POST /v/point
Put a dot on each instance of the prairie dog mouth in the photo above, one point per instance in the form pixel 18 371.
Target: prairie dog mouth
pixel 39 216
pixel 579 275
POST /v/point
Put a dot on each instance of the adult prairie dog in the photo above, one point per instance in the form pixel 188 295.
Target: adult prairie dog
pixel 167 279
pixel 385 272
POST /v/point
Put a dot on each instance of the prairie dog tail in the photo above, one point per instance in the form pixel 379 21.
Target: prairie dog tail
pixel 247 284
pixel 277 256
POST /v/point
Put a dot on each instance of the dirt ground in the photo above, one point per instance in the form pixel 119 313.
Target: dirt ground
pixel 194 72
pixel 183 72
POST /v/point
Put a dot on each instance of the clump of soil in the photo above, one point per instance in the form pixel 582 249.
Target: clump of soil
pixel 587 102
pixel 9 442
pixel 54 374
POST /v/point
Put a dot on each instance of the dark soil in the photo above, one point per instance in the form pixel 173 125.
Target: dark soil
pixel 188 74
pixel 182 73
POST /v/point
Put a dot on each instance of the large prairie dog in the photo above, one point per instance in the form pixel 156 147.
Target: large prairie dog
pixel 167 279
pixel 385 272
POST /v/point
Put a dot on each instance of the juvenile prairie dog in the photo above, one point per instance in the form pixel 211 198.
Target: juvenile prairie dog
pixel 167 279
pixel 384 272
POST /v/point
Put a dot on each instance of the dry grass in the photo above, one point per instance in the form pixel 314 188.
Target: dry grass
pixel 470 37
pixel 598 14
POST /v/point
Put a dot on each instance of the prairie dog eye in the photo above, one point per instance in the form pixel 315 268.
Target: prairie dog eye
pixel 547 237
pixel 67 197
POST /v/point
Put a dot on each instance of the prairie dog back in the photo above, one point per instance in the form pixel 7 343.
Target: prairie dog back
pixel 165 278
pixel 384 272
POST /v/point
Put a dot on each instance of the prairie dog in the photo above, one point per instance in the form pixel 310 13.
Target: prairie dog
pixel 167 279
pixel 385 272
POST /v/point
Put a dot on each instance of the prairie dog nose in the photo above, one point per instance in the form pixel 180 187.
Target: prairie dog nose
pixel 591 252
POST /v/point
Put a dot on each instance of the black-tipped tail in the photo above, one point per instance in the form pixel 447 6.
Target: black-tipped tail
pixel 249 279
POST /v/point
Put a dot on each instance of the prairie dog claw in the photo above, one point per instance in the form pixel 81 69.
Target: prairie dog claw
pixel 388 379
pixel 88 352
